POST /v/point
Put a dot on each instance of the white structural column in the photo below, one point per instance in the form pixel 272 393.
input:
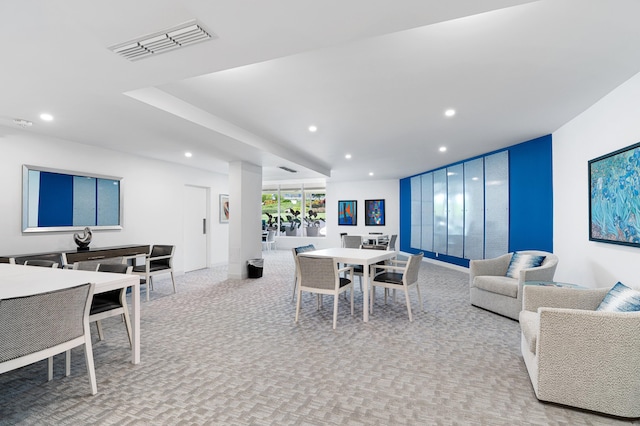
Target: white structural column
pixel 245 210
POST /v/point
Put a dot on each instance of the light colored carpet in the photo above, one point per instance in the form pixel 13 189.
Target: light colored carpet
pixel 227 352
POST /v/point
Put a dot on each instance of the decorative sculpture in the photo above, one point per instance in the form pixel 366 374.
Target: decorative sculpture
pixel 84 240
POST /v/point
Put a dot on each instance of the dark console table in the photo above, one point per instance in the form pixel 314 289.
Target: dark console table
pixel 72 256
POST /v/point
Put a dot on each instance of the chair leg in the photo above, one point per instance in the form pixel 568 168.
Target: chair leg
pixel 406 295
pixel 295 286
pixel 127 324
pixel 335 310
pixel 419 297
pixel 372 297
pixel 174 283
pixel 88 354
pixel 148 285
pixel 100 335
pixel 298 305
pixel 67 362
pixel 351 291
pixel 50 368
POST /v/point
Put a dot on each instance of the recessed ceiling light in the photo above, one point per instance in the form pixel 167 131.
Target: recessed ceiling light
pixel 450 112
pixel 313 128
pixel 46 117
pixel 443 149
pixel 188 154
pixel 348 156
pixel 370 173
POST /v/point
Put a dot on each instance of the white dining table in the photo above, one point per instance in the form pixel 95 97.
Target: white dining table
pixel 21 280
pixel 355 256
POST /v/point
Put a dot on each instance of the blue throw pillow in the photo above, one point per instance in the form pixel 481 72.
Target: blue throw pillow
pixel 620 299
pixel 522 261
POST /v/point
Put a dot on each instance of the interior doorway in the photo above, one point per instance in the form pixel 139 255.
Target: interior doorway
pixel 196 228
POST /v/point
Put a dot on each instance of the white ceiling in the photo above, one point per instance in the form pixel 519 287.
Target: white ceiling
pixel 375 76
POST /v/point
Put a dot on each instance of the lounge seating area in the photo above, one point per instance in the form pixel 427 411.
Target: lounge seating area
pixel 496 285
pixel 578 356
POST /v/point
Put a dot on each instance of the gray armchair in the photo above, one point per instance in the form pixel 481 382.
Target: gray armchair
pixel 492 290
pixel 578 356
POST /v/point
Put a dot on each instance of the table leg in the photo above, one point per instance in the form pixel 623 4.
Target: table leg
pixel 365 293
pixel 135 338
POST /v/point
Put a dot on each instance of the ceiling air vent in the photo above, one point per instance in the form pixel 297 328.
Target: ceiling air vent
pixel 288 169
pixel 188 33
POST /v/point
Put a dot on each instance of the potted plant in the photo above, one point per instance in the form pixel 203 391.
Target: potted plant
pixel 272 223
pixel 294 222
pixel 313 223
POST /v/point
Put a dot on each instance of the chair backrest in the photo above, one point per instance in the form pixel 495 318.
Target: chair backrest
pixel 92 265
pixel 114 296
pixel 413 268
pixel 161 250
pixel 351 241
pixel 392 242
pixel 35 323
pixel 318 272
pixel 374 247
pixel 117 268
pixel 300 249
pixel 41 262
pixel 58 258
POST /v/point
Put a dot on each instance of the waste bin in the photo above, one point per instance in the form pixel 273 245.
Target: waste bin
pixel 255 267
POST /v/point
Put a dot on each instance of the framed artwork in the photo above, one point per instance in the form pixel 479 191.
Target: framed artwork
pixel 614 197
pixel 348 212
pixel 374 212
pixel 224 208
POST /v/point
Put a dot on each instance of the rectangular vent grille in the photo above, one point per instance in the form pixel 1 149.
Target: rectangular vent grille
pixel 287 169
pixel 180 36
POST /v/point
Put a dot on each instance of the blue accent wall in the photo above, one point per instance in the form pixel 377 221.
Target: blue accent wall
pixel 530 200
pixel 531 195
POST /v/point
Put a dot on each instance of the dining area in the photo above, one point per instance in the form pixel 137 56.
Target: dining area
pixel 333 271
pixel 46 311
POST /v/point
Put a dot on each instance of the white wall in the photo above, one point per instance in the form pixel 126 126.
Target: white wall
pixel 389 190
pixel 610 124
pixel 153 194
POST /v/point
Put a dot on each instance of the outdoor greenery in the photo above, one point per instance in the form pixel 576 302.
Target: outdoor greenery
pixel 292 213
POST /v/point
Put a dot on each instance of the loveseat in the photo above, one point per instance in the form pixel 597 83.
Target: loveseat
pixel 578 356
pixel 492 289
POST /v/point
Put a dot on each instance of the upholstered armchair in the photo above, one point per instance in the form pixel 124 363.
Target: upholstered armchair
pixel 578 356
pixel 492 289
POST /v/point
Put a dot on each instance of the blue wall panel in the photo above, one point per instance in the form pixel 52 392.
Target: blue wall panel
pixel 531 195
pixel 405 215
pixel 55 205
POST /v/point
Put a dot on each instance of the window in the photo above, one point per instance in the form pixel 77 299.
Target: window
pixel 295 210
